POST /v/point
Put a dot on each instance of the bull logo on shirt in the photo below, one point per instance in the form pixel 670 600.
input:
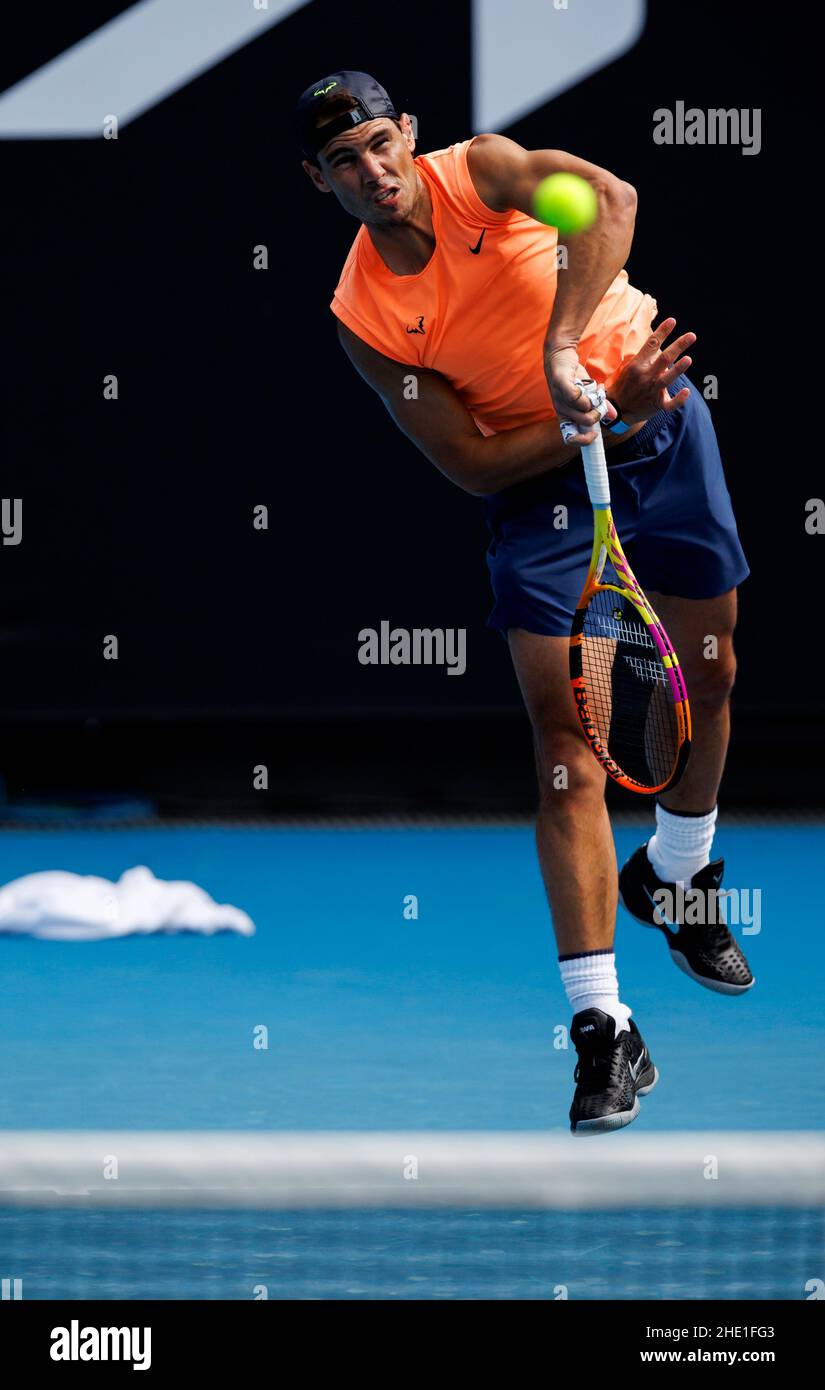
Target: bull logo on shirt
pixel 419 328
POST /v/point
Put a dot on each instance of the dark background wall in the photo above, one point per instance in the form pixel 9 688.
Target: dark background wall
pixel 238 646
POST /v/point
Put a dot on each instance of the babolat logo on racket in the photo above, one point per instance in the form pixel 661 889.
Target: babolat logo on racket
pixel 591 733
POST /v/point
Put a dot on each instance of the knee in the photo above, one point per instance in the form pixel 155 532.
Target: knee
pixel 712 678
pixel 567 772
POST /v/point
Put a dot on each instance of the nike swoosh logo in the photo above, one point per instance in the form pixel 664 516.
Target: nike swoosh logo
pixel 658 912
pixel 474 250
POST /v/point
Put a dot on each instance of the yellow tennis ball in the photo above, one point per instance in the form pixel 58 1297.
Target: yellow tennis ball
pixel 567 202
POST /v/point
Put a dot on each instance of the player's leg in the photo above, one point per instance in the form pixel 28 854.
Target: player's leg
pixel 578 864
pixel 701 631
pixel 679 852
pixel 687 544
pixel 573 836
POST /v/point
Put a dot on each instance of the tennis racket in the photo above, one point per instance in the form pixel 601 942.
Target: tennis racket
pixel 627 682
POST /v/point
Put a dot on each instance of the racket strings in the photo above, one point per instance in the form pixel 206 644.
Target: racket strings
pixel 628 688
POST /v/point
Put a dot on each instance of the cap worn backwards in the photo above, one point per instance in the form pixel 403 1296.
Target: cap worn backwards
pixel 371 102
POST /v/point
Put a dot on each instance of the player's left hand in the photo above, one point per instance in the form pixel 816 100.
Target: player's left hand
pixel 563 370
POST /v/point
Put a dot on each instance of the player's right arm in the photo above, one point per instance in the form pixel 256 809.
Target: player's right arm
pixel 441 426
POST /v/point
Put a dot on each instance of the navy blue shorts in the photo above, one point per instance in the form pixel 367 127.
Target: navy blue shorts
pixel 672 512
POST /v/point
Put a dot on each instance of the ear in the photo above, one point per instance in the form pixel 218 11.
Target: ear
pixel 314 174
pixel 407 131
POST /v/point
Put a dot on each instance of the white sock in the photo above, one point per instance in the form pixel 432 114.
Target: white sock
pixel 590 982
pixel 681 845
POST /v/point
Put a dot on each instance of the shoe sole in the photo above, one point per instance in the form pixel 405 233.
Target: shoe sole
pixel 608 1123
pixel 718 986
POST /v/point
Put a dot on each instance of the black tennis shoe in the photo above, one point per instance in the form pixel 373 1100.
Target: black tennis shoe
pixel 706 951
pixel 611 1073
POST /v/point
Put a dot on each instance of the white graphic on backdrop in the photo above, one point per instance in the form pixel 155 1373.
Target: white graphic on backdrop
pixel 130 64
pixel 525 52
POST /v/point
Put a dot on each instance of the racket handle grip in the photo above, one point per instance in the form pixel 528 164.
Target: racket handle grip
pixel 595 464
pixel 595 472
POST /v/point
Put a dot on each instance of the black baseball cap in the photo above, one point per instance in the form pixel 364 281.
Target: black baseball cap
pixel 371 100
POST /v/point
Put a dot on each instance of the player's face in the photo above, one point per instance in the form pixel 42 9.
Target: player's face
pixel 371 171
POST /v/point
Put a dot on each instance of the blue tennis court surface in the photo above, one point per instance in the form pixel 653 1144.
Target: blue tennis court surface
pixel 378 1021
pixel 426 1255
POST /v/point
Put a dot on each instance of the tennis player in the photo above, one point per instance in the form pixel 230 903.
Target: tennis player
pixel 452 306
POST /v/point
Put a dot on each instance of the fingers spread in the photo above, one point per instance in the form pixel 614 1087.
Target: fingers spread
pixel 671 373
pixel 672 351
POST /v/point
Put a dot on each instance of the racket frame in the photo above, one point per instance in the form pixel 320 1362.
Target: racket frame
pixel 606 545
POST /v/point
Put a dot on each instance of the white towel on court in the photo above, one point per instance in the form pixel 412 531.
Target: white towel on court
pixel 60 906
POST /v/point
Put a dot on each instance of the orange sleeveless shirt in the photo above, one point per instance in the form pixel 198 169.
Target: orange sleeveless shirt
pixel 481 319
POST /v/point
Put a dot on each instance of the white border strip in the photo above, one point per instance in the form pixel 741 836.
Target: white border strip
pixel 340 1170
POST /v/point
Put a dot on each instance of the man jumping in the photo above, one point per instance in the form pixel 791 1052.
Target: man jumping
pixel 452 280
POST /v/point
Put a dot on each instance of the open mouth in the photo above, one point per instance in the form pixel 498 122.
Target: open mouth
pixel 387 196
